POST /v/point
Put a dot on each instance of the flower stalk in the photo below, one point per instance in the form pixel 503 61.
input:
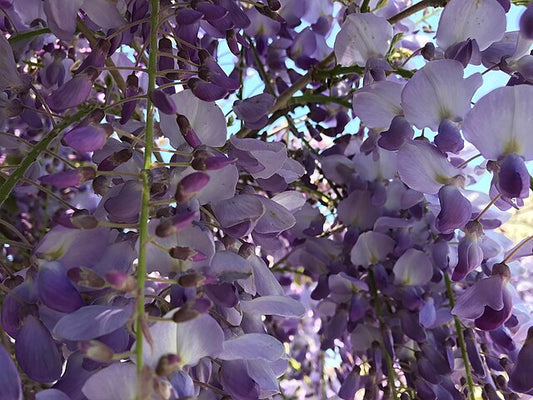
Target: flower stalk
pixel 145 178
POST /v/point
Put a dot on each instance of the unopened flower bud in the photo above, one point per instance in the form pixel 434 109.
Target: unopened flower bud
pixel 121 281
pixel 184 314
pixel 163 102
pixel 502 270
pixel 190 185
pixel 428 51
pixel 82 220
pixel 168 364
pixel 187 131
pixel 191 279
pixel 175 224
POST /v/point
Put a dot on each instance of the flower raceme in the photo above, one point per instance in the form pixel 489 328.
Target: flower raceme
pixel 253 200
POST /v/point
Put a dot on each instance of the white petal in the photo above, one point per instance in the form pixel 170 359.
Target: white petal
pixel 501 123
pixel 117 382
pixel 483 20
pixel 362 36
pixel 422 167
pixel 413 268
pixel 377 104
pixel 437 92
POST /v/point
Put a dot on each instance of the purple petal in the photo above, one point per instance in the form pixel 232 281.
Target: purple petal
pixel 377 104
pixel 37 353
pixel 190 340
pixel 236 381
pixel 362 36
pixel 228 262
pixel 470 256
pixel 276 218
pixel 260 159
pixel 56 290
pixel 189 185
pixel 437 92
pixel 371 247
pixel 357 210
pixel 399 132
pixel 221 185
pixel 182 384
pixel 520 377
pixel 62 244
pixel 252 346
pixel 10 77
pixel 74 377
pixel 9 378
pixel 90 322
pixel 486 292
pixel 71 94
pixel 482 20
pixel 513 177
pixel 163 102
pixel 125 206
pixel 238 209
pixel 51 394
pixel 264 280
pixel 103 13
pixel 117 382
pixel 64 179
pixel 428 313
pixel 12 307
pixel 273 305
pixel 423 168
pixel 86 138
pixel 526 22
pixel 351 384
pixel 206 91
pixel 413 268
pixel 449 138
pixel 455 210
pixel 61 17
pixel 500 123
pixel 493 318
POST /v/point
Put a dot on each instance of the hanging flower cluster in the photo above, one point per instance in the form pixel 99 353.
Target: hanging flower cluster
pixel 263 200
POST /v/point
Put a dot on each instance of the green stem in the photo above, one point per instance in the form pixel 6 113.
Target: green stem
pixel 318 98
pixel 27 35
pixel 416 8
pixel 18 174
pixel 145 208
pixel 391 375
pixel 460 339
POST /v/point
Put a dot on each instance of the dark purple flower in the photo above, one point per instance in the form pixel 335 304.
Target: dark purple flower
pixel 526 22
pixel 10 384
pixel 254 110
pixel 520 377
pixel 455 211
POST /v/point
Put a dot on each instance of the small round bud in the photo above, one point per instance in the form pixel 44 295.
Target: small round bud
pixel 167 364
pixel 184 314
pixel 96 351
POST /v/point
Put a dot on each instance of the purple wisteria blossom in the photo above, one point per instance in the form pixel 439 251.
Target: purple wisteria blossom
pixel 226 199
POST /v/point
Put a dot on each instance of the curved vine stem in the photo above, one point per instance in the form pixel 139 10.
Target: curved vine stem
pixel 460 339
pixel 145 177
